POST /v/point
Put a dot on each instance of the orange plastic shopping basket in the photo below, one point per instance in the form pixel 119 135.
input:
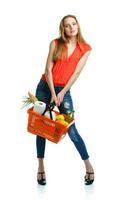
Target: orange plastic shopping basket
pixel 47 128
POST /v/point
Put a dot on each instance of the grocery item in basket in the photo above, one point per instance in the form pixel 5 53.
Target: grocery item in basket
pixel 62 122
pixel 47 114
pixel 39 107
pixel 59 117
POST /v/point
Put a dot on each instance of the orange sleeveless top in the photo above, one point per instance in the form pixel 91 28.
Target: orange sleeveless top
pixel 64 68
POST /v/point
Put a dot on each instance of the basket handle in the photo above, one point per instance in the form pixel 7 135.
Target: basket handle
pixel 49 108
pixel 51 105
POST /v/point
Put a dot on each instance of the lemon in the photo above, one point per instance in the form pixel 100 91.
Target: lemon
pixel 59 117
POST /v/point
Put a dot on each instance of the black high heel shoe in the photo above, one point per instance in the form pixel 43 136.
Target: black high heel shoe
pixel 41 181
pixel 88 181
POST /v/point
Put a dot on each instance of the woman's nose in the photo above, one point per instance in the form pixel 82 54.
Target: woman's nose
pixel 71 27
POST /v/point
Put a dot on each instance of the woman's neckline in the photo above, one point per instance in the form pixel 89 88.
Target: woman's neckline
pixel 68 56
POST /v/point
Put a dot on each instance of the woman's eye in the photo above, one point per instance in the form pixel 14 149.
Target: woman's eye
pixel 74 23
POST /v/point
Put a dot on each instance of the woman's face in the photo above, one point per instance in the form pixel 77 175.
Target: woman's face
pixel 70 27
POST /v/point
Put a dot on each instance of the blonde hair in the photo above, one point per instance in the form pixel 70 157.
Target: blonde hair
pixel 63 39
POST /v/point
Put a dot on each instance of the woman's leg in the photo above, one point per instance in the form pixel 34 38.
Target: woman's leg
pixel 43 94
pixel 80 146
pixel 65 107
pixel 40 144
pixel 78 142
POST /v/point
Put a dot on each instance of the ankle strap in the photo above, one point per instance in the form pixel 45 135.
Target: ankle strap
pixel 89 172
pixel 41 172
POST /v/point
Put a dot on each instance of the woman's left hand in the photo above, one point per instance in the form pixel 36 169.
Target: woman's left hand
pixel 60 97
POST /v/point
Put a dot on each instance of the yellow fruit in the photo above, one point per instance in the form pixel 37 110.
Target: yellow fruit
pixel 59 117
pixel 63 122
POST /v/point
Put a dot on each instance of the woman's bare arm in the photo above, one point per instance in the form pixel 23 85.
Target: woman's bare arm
pixel 48 71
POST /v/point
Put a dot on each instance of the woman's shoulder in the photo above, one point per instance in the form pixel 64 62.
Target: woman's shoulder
pixel 54 41
pixel 85 47
pixel 52 44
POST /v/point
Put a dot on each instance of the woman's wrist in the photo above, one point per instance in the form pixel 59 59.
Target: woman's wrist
pixel 53 94
pixel 64 90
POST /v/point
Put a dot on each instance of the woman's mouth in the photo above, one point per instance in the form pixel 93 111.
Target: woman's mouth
pixel 72 31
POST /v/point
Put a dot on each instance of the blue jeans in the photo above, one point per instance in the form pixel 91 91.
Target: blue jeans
pixel 43 94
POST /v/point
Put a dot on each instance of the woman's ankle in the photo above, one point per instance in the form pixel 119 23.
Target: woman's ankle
pixel 88 166
pixel 40 165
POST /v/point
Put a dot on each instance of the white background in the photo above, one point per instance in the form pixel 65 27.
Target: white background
pixel 26 29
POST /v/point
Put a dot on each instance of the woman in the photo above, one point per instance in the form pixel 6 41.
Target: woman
pixel 66 59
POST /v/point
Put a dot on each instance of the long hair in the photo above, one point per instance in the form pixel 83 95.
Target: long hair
pixel 63 39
